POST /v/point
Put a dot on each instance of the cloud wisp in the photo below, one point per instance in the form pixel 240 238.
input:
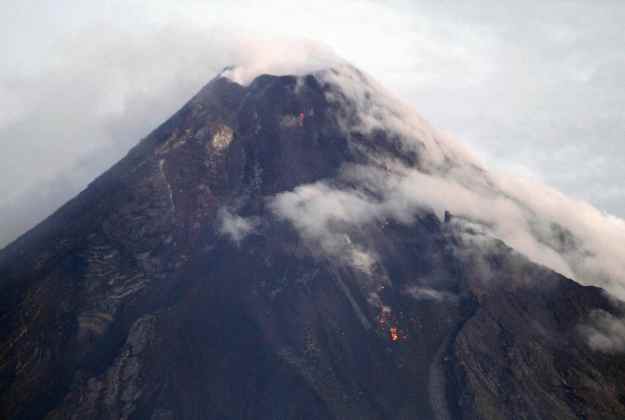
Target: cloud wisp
pixel 233 226
pixel 604 332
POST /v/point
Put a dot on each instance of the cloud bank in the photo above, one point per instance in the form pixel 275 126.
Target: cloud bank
pixel 66 126
pixel 566 235
pixel 81 82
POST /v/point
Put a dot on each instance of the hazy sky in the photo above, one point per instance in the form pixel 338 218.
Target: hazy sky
pixel 533 87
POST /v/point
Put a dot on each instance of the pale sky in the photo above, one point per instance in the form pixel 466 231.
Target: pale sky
pixel 533 87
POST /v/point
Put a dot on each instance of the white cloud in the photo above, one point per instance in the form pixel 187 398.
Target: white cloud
pixel 427 293
pixel 566 235
pixel 235 227
pixel 81 82
pixel 279 56
pixel 604 332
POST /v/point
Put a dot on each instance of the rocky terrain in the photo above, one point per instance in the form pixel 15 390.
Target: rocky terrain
pixel 190 281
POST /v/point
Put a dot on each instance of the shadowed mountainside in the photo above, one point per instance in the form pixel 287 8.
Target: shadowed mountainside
pixel 171 288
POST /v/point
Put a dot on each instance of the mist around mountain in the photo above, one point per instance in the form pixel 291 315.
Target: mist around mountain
pixel 296 243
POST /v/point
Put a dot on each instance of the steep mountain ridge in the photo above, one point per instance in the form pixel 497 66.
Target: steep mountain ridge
pixel 260 256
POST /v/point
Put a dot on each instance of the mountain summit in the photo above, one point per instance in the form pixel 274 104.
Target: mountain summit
pixel 306 247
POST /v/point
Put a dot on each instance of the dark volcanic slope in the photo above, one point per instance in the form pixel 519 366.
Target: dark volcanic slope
pixel 133 301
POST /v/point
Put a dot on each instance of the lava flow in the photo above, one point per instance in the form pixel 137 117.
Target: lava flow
pixel 394 334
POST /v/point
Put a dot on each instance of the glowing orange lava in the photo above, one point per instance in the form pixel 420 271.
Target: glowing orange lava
pixel 394 334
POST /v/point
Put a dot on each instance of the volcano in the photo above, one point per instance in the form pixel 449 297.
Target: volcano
pixel 305 247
